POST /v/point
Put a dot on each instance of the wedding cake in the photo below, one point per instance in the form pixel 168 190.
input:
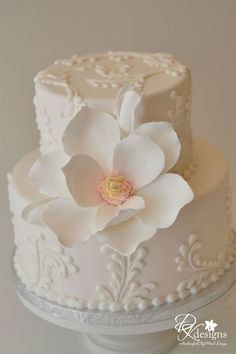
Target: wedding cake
pixel 121 208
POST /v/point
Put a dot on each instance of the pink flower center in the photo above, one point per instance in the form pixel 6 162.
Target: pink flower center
pixel 115 190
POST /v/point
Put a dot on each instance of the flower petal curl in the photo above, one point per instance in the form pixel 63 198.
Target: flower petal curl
pixel 72 224
pixel 125 237
pixel 165 136
pixel 109 215
pixel 46 174
pixel 164 198
pixel 32 213
pixel 129 108
pixel 92 132
pixel 83 174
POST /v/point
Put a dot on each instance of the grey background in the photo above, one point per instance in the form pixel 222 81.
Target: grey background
pixel 33 33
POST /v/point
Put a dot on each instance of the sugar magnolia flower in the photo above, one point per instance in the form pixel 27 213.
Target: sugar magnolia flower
pixel 117 189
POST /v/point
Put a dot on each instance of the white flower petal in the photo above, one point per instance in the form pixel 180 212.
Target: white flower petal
pixel 92 132
pixel 164 198
pixel 72 224
pixel 33 212
pixel 108 215
pixel 83 175
pixel 126 236
pixel 46 174
pixel 129 108
pixel 138 159
pixel 165 136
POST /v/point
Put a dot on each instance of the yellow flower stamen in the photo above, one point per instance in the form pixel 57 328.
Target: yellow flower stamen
pixel 114 190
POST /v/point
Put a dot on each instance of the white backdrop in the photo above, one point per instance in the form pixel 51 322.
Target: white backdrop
pixel 33 33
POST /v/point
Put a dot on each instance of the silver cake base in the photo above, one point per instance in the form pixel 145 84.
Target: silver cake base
pixel 116 332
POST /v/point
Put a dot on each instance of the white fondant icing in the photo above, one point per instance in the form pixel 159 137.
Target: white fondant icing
pixel 96 79
pixel 208 216
pixel 177 262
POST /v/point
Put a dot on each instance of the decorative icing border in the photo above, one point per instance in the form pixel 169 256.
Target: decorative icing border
pixel 125 293
pixel 43 120
pixel 182 113
pixel 110 77
pixel 191 168
pixel 44 124
pixel 206 271
pixel 115 78
pixel 124 318
pixel 123 290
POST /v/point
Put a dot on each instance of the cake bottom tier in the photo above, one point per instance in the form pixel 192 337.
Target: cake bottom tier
pixel 177 262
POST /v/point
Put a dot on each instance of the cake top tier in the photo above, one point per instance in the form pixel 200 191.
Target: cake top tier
pixel 96 80
pixel 102 75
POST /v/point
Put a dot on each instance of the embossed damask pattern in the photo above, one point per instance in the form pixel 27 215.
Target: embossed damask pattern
pixel 45 263
pixel 206 270
pixel 44 120
pixel 44 123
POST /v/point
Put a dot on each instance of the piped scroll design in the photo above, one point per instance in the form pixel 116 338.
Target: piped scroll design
pixel 46 262
pixel 123 289
pixel 44 124
pixel 106 74
pixel 182 108
pixel 111 70
pixel 206 270
pixel 62 81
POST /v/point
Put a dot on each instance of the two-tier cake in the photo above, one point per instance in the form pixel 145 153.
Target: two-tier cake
pixel 121 208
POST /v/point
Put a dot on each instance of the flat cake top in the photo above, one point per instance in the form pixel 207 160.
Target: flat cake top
pixel 102 75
